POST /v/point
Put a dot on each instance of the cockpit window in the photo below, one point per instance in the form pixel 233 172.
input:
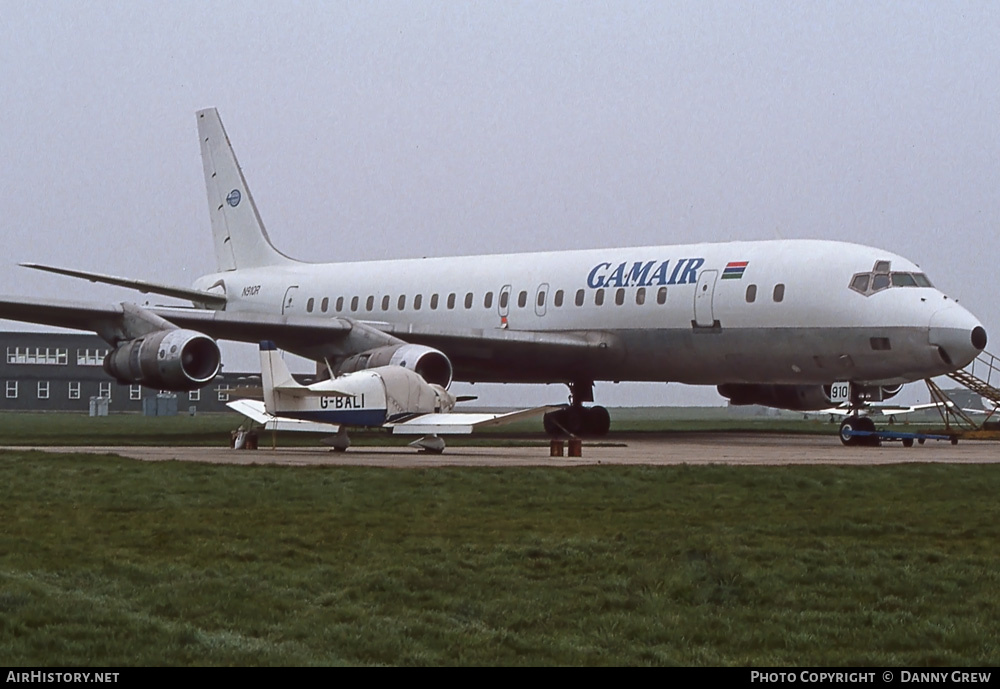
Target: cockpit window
pixel 881 278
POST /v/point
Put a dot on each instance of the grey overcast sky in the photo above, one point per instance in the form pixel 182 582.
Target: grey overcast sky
pixel 393 129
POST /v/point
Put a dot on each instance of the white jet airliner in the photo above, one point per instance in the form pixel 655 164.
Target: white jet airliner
pixel 771 322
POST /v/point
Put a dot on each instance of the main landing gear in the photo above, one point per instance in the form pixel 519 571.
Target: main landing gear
pixel 576 419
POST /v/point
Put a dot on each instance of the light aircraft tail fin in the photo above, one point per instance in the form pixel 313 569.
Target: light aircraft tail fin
pixel 239 235
pixel 274 376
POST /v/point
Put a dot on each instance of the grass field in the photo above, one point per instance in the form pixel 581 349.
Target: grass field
pixel 106 561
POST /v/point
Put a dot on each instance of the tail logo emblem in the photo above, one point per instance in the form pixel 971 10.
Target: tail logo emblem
pixel 234 198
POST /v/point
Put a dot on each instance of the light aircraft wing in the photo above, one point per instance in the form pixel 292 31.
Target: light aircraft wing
pixel 194 295
pixel 254 410
pixel 456 423
pixel 880 409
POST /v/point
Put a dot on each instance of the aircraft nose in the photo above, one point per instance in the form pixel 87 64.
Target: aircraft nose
pixel 957 334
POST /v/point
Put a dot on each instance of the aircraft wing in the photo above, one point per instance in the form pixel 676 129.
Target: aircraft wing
pixel 500 355
pixel 459 423
pixel 106 321
pixel 254 410
pixel 102 319
pixel 197 296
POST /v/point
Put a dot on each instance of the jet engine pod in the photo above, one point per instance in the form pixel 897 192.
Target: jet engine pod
pixel 794 397
pixel 175 360
pixel 432 365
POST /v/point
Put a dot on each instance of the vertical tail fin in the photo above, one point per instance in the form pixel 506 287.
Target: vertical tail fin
pixel 274 375
pixel 240 238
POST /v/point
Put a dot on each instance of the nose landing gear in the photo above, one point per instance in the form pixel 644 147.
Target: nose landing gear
pixel 858 423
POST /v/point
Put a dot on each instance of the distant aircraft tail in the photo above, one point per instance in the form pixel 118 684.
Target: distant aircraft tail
pixel 240 238
pixel 274 376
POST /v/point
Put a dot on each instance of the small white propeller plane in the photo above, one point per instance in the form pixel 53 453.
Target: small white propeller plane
pixel 390 397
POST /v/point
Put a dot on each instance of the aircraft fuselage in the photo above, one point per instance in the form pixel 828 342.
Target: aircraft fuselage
pixel 782 312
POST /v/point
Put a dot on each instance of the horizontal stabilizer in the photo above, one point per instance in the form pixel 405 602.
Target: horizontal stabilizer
pixel 194 295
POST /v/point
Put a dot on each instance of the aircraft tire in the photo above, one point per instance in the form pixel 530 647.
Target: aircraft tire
pixel 579 421
pixel 565 421
pixel 865 423
pixel 847 425
pixel 552 423
pixel 598 421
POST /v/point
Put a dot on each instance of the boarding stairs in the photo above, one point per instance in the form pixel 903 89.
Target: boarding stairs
pixel 982 376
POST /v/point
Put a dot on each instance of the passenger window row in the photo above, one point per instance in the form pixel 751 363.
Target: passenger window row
pixel 434 302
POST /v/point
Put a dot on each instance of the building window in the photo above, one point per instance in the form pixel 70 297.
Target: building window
pixel 104 390
pixel 12 389
pixel 43 389
pixel 91 357
pixel 51 356
pixel 194 396
pixel 135 392
pixel 74 391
